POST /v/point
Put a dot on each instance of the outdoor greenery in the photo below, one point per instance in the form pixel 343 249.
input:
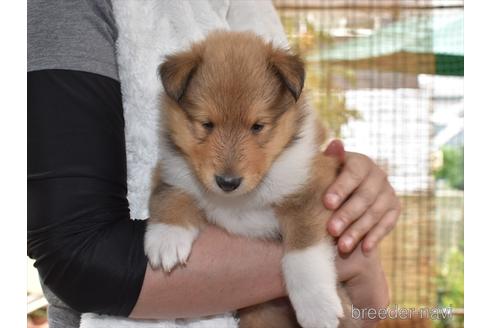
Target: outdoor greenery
pixel 451 278
pixel 452 169
pixel 450 283
pixel 330 99
pixel 435 274
pixel 326 96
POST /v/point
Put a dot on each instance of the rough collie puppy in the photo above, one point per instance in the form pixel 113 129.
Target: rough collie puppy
pixel 240 149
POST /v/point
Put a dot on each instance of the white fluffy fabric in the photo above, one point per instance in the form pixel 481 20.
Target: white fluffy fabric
pixel 91 320
pixel 147 31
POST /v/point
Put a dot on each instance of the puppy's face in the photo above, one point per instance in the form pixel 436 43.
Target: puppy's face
pixel 231 108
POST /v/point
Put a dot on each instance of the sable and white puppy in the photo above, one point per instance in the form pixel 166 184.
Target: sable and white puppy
pixel 240 149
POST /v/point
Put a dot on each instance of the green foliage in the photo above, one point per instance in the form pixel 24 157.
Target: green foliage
pixel 451 279
pixel 452 167
pixel 334 112
pixel 307 41
pixel 328 98
pixel 451 288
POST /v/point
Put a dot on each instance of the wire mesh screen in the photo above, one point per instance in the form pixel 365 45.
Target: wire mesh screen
pixel 387 78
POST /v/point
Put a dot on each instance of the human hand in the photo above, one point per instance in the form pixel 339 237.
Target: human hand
pixel 364 280
pixel 364 203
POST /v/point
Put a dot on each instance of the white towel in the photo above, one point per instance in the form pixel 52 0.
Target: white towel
pixel 147 31
pixel 91 320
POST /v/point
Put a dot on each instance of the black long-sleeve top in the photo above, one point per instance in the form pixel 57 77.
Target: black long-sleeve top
pixel 87 250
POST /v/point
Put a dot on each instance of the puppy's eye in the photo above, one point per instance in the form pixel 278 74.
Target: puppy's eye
pixel 208 126
pixel 256 128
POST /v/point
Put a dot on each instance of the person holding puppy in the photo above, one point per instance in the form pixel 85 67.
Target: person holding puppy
pixel 88 251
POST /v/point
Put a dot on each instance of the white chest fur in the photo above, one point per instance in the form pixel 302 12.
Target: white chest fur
pixel 309 273
pixel 258 223
pixel 250 215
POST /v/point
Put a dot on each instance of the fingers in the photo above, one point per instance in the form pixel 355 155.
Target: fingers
pixel 359 202
pixel 355 170
pixel 366 206
pixel 356 232
pixel 336 149
pixel 384 227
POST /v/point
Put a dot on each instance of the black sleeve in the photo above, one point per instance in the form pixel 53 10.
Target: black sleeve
pixel 87 249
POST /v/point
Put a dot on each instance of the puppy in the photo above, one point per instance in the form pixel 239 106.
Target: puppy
pixel 240 149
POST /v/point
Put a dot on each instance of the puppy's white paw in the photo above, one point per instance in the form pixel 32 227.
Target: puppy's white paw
pixel 168 245
pixel 310 277
pixel 317 309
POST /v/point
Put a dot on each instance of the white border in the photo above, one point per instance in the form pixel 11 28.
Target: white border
pixel 13 161
pixel 478 217
pixel 478 164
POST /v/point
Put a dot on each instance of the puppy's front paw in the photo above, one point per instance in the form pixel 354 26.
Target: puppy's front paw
pixel 310 277
pixel 317 309
pixel 168 245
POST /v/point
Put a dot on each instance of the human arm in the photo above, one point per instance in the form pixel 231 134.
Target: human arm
pixel 226 272
pixel 83 237
pixel 363 276
pixel 79 231
pixel 219 275
pixel 87 249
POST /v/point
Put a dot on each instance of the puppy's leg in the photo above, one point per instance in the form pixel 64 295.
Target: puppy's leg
pixel 174 224
pixel 309 260
pixel 311 282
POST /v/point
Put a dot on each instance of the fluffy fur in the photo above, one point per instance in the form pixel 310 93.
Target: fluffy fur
pixel 169 244
pixel 147 31
pixel 311 284
pixel 233 106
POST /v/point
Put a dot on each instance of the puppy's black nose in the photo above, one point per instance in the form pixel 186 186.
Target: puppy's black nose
pixel 228 183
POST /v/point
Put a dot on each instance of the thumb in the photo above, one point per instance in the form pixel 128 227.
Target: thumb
pixel 336 149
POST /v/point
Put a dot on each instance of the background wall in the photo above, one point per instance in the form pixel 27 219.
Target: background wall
pixel 387 78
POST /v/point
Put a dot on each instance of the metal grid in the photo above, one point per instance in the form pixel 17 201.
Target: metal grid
pixel 387 78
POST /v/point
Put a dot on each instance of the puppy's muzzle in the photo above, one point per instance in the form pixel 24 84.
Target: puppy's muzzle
pixel 228 183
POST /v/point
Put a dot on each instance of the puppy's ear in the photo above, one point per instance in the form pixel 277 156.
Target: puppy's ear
pixel 176 72
pixel 290 69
